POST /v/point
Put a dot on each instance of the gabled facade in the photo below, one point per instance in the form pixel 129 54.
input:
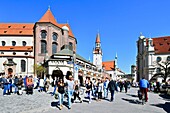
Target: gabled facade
pixel 148 51
pixel 24 44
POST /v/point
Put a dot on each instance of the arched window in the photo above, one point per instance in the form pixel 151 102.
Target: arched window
pixel 70 45
pixel 43 34
pixel 3 43
pixel 43 46
pixel 54 48
pixel 24 43
pixel 55 36
pixel 13 43
pixel 23 65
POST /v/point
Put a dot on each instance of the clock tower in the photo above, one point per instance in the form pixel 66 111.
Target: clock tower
pixel 97 53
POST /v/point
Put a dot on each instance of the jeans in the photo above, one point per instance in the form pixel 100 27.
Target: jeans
pixel 61 98
pixel 55 87
pixel 112 95
pixel 105 93
pixel 5 89
pixel 89 95
pixel 70 93
pixel 16 87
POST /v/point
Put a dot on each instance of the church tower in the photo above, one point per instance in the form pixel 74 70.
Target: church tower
pixel 97 53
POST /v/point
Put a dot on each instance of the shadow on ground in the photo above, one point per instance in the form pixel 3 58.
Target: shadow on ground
pixel 56 104
pixel 132 95
pixel 133 101
pixel 165 96
pixel 165 106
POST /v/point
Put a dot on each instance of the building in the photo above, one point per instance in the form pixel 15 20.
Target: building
pixel 47 43
pixel 16 48
pixel 150 51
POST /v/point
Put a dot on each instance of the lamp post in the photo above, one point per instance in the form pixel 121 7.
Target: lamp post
pixel 74 57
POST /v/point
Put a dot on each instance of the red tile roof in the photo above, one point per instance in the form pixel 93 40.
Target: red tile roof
pixel 161 44
pixel 49 17
pixel 17 48
pixel 16 29
pixel 109 65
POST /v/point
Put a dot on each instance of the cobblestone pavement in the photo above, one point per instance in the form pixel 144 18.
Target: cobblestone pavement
pixel 45 103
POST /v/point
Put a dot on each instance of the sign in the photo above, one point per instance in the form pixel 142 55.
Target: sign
pixel 76 68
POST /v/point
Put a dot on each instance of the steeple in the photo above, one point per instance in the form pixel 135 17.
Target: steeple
pixel 98 38
pixel 97 53
pixel 48 17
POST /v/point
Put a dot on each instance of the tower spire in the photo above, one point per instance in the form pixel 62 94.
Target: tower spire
pixel 48 7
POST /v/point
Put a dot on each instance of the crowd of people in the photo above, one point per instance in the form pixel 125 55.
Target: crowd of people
pixel 96 88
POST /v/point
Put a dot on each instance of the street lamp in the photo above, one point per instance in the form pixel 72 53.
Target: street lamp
pixel 74 59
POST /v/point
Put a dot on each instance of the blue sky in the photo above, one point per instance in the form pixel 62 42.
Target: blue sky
pixel 119 22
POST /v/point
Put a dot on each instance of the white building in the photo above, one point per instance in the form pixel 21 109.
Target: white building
pixel 149 50
pixel 16 48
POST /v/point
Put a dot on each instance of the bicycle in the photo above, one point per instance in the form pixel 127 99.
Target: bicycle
pixel 141 96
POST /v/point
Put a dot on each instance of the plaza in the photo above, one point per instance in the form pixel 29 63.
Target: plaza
pixel 123 103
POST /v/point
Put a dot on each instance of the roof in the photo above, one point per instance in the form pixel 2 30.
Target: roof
pixel 49 17
pixel 109 65
pixel 16 28
pixel 98 38
pixel 161 44
pixel 17 48
pixel 67 52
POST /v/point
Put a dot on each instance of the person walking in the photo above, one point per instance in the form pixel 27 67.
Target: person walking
pixel 76 91
pixel 88 89
pixel 70 89
pixel 112 87
pixel 100 89
pixel 126 86
pixel 5 84
pixel 105 85
pixel 16 79
pixel 61 91
pixel 144 85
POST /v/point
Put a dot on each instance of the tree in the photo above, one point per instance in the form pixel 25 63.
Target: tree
pixel 163 68
pixel 39 70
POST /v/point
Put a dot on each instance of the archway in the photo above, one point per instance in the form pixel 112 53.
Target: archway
pixel 10 71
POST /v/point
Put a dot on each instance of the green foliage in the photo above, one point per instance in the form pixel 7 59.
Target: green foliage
pixel 39 70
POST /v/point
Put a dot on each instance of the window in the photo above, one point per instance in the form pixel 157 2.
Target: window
pixel 70 46
pixel 54 48
pixel 3 43
pixel 55 36
pixel 10 61
pixel 158 70
pixel 23 65
pixel 24 43
pixel 158 59
pixel 13 43
pixel 43 46
pixel 43 34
